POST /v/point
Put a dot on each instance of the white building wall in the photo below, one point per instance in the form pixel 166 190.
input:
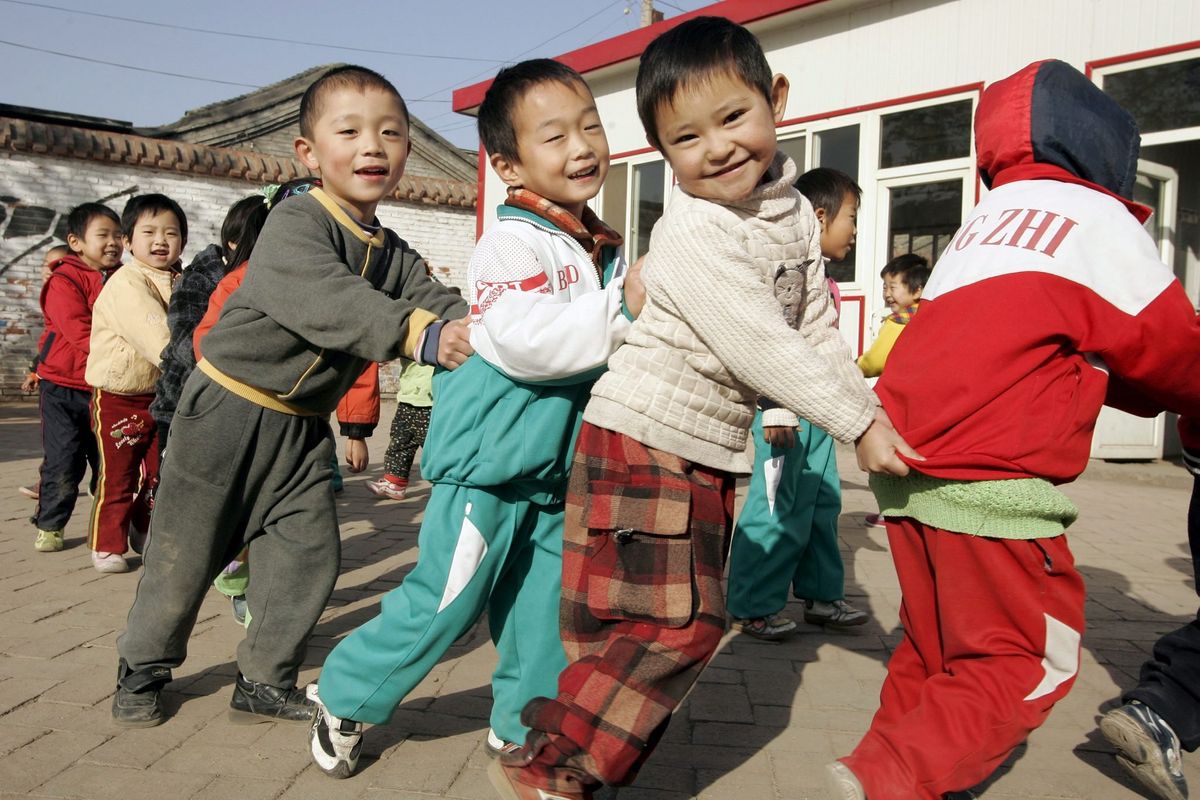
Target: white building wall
pixel 443 234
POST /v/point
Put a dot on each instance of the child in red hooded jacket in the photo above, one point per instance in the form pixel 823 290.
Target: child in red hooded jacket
pixel 68 294
pixel 1002 408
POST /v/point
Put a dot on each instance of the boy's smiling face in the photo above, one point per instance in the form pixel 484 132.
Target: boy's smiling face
pixel 156 239
pixel 101 245
pixel 561 143
pixel 359 145
pixel 718 133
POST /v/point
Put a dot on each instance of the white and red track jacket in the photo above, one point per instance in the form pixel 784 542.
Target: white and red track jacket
pixel 1050 301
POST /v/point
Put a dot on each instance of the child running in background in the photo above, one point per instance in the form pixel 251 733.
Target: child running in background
pixel 650 498
pixel 547 294
pixel 1003 405
pixel 330 290
pixel 129 332
pixel 64 396
pixel 787 532
pixel 414 397
pixel 189 301
pixel 904 279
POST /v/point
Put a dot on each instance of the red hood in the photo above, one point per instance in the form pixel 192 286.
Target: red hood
pixel 1048 121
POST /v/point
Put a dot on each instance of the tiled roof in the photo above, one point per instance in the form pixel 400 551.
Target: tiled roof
pixel 24 136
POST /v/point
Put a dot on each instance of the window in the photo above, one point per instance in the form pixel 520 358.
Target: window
pixel 837 148
pixel 648 180
pixel 929 133
pixel 612 203
pixel 1161 97
pixel 795 148
pixel 923 218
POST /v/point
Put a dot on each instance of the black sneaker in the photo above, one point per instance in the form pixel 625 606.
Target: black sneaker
pixel 137 703
pixel 260 702
pixel 1147 748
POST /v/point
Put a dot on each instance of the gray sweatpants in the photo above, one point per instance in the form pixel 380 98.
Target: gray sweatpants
pixel 237 472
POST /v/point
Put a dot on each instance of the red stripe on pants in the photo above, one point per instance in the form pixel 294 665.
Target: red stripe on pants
pixel 989 626
pixel 126 438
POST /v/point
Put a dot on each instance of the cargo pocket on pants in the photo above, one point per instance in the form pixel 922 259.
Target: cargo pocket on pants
pixel 639 566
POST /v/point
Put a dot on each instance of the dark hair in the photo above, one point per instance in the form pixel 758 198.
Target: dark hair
pixel 349 76
pixel 912 269
pixel 496 128
pixel 235 221
pixel 247 237
pixel 151 204
pixel 691 53
pixel 82 215
pixel 826 188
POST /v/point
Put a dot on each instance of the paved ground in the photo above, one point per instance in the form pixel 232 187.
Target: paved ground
pixel 762 722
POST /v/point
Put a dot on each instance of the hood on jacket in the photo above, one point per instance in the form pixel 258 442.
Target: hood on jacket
pixel 1049 121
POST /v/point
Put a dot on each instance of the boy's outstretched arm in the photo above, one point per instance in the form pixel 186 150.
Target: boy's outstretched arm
pixel 528 334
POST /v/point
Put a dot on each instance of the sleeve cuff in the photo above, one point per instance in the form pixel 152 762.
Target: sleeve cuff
pixel 779 417
pixel 418 323
pixel 426 350
pixel 356 430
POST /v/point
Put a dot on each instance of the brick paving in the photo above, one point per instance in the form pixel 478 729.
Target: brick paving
pixel 762 722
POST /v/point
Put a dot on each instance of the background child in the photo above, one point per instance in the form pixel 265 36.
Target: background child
pixel 1160 717
pixel 414 397
pixel 491 536
pixel 737 305
pixel 1002 406
pixel 189 300
pixel 330 290
pixel 787 532
pixel 904 279
pixel 129 332
pixel 68 294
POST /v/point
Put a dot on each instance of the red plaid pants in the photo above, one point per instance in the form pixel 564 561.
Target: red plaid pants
pixel 645 539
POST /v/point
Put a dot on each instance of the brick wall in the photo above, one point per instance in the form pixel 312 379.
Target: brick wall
pixel 37 190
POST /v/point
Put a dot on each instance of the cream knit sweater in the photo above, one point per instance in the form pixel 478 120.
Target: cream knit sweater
pixel 712 337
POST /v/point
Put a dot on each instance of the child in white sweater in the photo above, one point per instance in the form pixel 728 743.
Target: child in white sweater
pixel 736 305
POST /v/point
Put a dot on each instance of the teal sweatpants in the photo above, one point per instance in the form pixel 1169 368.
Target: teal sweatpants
pixel 478 549
pixel 787 530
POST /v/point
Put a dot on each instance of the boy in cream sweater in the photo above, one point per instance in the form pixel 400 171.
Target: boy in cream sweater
pixel 737 305
pixel 129 332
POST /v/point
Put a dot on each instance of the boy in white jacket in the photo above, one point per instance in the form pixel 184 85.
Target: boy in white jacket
pixel 547 294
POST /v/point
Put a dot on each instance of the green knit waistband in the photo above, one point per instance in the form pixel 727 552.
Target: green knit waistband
pixel 1021 508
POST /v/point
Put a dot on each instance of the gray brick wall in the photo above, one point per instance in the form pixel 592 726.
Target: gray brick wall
pixel 36 192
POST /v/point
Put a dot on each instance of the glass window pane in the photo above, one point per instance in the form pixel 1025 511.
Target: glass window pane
pixel 612 205
pixel 932 133
pixel 838 149
pixel 923 218
pixel 795 148
pixel 1160 98
pixel 647 205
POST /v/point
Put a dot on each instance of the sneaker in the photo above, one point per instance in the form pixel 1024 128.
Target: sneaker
pixel 333 742
pixel 261 702
pixel 1147 748
pixel 504 780
pixel 48 541
pixel 29 491
pixel 774 628
pixel 241 612
pixel 875 521
pixel 109 562
pixel 137 709
pixel 842 783
pixel 385 488
pixel 837 614
pixel 496 747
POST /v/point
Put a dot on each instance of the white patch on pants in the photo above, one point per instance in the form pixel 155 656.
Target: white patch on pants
pixel 772 473
pixel 468 555
pixel 1061 660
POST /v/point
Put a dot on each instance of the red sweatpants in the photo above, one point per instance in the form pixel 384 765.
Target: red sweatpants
pixel 992 629
pixel 126 437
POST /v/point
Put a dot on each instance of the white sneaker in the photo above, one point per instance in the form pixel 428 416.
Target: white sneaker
pixel 109 562
pixel 334 743
pixel 497 747
pixel 842 783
